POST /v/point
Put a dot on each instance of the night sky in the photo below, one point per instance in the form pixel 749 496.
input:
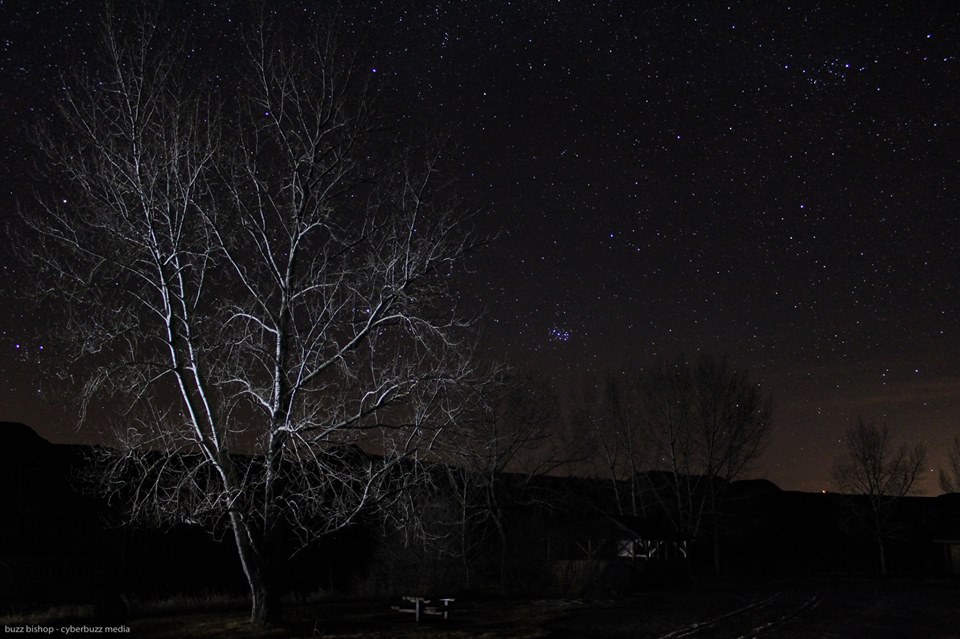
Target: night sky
pixel 773 181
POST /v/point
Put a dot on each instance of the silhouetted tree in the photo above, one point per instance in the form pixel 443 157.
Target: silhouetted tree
pixel 871 466
pixel 674 435
pixel 950 478
pixel 611 413
pixel 258 276
pixel 704 424
pixel 511 439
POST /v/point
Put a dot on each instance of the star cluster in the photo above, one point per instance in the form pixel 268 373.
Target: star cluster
pixel 774 181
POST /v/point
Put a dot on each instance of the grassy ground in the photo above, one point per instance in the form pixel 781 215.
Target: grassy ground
pixel 365 620
pixel 883 609
pixel 850 608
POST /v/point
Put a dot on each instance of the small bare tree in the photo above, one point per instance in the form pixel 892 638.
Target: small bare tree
pixel 950 478
pixel 258 281
pixel 611 412
pixel 871 466
pixel 513 438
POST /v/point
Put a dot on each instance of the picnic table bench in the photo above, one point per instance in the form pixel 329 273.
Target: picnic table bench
pixel 438 606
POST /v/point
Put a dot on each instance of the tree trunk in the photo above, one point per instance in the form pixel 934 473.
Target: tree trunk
pixel 716 546
pixel 878 530
pixel 616 491
pixel 504 576
pixel 883 558
pixel 264 595
pixel 266 609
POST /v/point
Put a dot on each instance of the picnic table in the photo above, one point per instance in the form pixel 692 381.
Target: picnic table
pixel 437 606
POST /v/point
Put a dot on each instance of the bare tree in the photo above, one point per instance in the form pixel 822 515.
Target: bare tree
pixel 612 414
pixel 677 478
pixel 705 424
pixel 511 440
pixel 673 436
pixel 258 282
pixel 871 466
pixel 950 478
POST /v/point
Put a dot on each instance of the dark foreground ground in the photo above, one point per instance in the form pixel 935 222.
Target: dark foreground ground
pixel 818 609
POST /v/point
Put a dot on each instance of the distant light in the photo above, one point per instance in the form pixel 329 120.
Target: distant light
pixel 373 70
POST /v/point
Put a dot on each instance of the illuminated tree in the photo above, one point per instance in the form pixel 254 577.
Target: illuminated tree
pixel 258 278
pixel 870 466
